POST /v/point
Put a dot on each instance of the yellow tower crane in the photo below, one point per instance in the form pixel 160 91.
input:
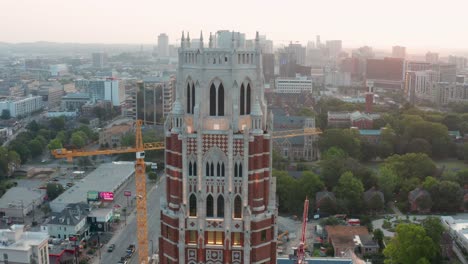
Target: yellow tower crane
pixel 140 172
pixel 140 175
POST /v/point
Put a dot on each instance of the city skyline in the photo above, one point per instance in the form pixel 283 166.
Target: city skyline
pixel 358 23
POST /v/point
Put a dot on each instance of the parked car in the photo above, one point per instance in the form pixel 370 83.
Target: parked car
pixel 111 248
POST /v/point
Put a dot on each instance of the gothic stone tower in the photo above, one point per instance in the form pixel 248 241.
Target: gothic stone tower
pixel 219 205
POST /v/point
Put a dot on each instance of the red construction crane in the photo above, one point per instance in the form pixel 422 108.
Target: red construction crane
pixel 301 248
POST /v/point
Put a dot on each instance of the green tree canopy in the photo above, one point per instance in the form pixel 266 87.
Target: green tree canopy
pixel 410 245
pixel 350 190
pixel 54 190
pixel 55 144
pixel 387 180
pixel 346 139
pixel 411 165
pixel 57 123
pixel 447 196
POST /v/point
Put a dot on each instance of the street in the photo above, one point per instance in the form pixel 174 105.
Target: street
pixel 127 235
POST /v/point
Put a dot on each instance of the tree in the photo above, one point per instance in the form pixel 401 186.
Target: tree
pixel 33 126
pixel 152 176
pixel 77 140
pixel 375 203
pixel 448 196
pixel 54 190
pixel 410 245
pixel 5 114
pixel 452 121
pixel 387 180
pixel 434 228
pixel 35 147
pixel 419 145
pixel 379 236
pixel 429 182
pixel 411 165
pixel 55 144
pixel 310 184
pixel 346 139
pixel 286 189
pixel 350 190
pixel 57 123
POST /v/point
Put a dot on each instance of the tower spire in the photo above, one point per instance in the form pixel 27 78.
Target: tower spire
pixel 182 40
pixel 201 39
pixel 210 44
pixel 188 39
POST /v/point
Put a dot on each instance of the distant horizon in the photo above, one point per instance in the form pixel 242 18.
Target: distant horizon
pixel 418 25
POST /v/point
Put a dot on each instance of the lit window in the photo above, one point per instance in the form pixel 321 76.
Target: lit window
pixel 211 237
pixel 236 239
pixel 219 238
pixel 192 237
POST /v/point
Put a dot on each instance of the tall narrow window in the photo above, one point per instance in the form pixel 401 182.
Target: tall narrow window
pixel 190 169
pixel 195 168
pixel 207 169
pixel 192 237
pixel 222 169
pixel 188 98
pixel 212 100
pixel 240 169
pixel 221 100
pixel 218 170
pixel 248 100
pixel 237 207
pixel 212 169
pixel 235 170
pixel 220 204
pixel 193 205
pixel 236 239
pixel 209 206
pixel 193 97
pixel 242 102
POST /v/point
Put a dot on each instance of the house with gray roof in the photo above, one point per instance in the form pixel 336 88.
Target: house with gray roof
pixel 71 222
pixel 19 201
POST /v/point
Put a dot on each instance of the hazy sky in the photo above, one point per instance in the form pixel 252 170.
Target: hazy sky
pixel 417 24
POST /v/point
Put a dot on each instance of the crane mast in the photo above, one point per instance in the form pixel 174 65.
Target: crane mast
pixel 301 248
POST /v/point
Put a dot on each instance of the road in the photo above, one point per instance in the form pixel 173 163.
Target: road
pixel 127 235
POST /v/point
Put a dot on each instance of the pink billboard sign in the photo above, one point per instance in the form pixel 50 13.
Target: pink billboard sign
pixel 106 196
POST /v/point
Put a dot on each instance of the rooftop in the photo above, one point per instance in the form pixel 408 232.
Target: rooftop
pixel 317 261
pixel 370 132
pixel 14 196
pixel 106 178
pixel 76 96
pixel 16 238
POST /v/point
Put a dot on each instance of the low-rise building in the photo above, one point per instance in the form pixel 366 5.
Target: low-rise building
pixel 21 106
pixel 458 230
pixel 294 85
pixel 112 136
pixel 70 222
pixel 108 177
pixel 19 201
pixel 74 101
pixel 18 246
pixel 100 219
pixel 351 239
pixel 420 200
pixel 351 119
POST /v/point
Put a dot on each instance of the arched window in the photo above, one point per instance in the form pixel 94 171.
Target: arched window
pixel 237 207
pixel 222 169
pixel 212 100
pixel 194 168
pixel 193 97
pixel 242 102
pixel 235 170
pixel 193 205
pixel 209 206
pixel 188 98
pixel 220 205
pixel 212 169
pixel 240 169
pixel 218 170
pixel 190 169
pixel 207 169
pixel 248 100
pixel 221 100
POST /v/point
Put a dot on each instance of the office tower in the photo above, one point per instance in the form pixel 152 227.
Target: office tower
pixel 399 52
pixel 219 205
pixel 432 57
pixel 99 59
pixel 334 48
pixel 163 45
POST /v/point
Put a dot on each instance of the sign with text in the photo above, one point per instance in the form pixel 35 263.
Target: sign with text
pixel 127 193
pixel 93 196
pixel 106 196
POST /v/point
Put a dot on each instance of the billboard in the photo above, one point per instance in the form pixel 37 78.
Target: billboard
pixel 127 193
pixel 106 196
pixel 93 196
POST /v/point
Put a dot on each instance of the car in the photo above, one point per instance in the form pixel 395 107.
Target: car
pixel 111 248
pixel 123 260
pixel 70 184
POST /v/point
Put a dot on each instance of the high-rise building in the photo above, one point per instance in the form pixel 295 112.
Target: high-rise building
pixel 432 57
pixel 460 62
pixel 109 89
pixel 268 66
pixel 299 52
pixel 399 52
pixel 224 39
pixel 163 45
pixel 334 48
pixel 99 59
pixel 219 205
